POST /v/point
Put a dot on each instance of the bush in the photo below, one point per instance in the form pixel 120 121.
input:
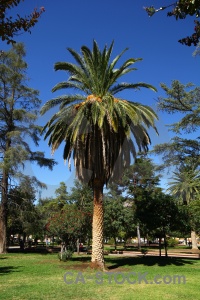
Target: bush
pixel 144 251
pixel 111 241
pixel 66 255
pixel 171 242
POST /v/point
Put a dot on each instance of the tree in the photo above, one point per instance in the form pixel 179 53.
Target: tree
pixel 179 151
pixel 193 210
pixel 19 106
pixel 23 216
pixel 81 196
pixel 118 215
pixel 80 199
pixel 138 179
pixel 185 185
pixel 140 176
pixel 159 214
pixel 68 224
pixel 61 195
pixel 182 9
pixel 183 154
pixel 183 99
pixel 96 126
pixel 10 27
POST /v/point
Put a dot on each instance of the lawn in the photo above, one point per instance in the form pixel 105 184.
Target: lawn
pixel 42 276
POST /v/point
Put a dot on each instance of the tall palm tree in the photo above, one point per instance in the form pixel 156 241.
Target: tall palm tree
pixel 98 128
pixel 185 185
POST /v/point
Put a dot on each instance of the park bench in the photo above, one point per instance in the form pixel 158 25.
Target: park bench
pixel 116 251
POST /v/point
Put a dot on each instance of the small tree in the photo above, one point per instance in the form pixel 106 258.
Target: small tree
pixel 68 225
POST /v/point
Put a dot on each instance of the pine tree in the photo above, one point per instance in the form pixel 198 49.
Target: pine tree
pixel 19 105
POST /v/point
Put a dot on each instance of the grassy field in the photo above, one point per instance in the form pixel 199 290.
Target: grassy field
pixel 42 276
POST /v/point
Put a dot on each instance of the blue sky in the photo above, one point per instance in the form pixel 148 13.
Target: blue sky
pixel 76 23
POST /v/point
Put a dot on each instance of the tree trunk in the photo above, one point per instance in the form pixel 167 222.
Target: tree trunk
pixel 165 244
pixel 194 241
pixel 138 236
pixel 115 239
pixel 78 246
pixel 3 212
pixel 160 247
pixel 97 259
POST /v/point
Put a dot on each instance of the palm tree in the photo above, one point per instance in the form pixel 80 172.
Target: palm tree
pixel 97 127
pixel 186 187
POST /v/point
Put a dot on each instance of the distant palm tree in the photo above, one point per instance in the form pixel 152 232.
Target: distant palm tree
pixel 186 187
pixel 97 127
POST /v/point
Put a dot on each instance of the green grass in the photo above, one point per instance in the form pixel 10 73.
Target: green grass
pixel 41 276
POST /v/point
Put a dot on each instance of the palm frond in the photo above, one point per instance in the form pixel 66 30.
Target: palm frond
pixel 100 132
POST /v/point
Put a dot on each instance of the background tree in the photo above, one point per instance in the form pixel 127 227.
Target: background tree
pixel 10 27
pixel 61 195
pixel 183 99
pixel 182 154
pixel 69 225
pixel 180 10
pixel 79 197
pixel 139 178
pixel 159 214
pixel 113 213
pixel 179 151
pixel 23 216
pixel 185 186
pixel 180 99
pixel 96 126
pixel 194 215
pixel 19 105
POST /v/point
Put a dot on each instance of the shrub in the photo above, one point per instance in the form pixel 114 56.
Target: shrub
pixel 66 255
pixel 171 242
pixel 144 251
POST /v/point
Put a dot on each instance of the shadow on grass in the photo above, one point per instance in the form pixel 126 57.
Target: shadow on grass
pixel 118 262
pixel 27 251
pixel 8 269
pixel 81 259
pixel 147 261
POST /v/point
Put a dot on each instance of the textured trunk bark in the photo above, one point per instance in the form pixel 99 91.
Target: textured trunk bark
pixel 194 241
pixel 97 259
pixel 3 212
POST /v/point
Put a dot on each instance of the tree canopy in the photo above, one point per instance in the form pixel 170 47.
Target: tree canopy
pixel 180 10
pixel 10 27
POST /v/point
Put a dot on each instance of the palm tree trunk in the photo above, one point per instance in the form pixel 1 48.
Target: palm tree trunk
pixel 194 241
pixel 97 259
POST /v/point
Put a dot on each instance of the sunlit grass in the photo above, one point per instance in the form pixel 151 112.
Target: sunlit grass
pixel 37 276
